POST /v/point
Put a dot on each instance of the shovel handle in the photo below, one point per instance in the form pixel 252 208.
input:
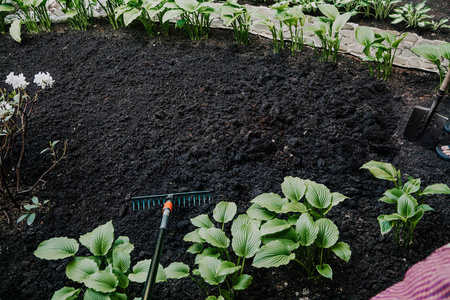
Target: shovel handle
pixel 445 84
pixel 439 96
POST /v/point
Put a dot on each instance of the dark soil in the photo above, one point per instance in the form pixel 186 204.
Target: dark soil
pixel 160 115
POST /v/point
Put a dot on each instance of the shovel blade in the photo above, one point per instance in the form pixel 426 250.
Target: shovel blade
pixel 427 137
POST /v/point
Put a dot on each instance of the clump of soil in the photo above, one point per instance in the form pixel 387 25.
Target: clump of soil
pixel 160 115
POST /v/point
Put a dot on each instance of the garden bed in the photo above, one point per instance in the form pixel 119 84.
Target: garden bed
pixel 159 115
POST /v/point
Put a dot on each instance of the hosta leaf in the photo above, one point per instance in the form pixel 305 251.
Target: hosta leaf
pixel 187 5
pixel 273 226
pixel 445 50
pixel 177 270
pixel 123 242
pixel 329 10
pixel 80 268
pixel 293 188
pixel 258 212
pixel 393 195
pixel 246 241
pixel 415 218
pixel 337 198
pixel 118 296
pixel 381 170
pixel 325 270
pixel 195 248
pixel 273 202
pixel 385 225
pixel 438 188
pixel 215 298
pixel 15 30
pixel 57 248
pixel 224 211
pixel 210 251
pixel 406 206
pixel 100 240
pixel 393 217
pixel 243 220
pixel 215 237
pixel 274 254
pixel 318 195
pixel 328 233
pixel 425 207
pixel 307 230
pixel 339 23
pixel 364 35
pixel 140 272
pixel 427 51
pixel 121 259
pixel 202 221
pixel 296 207
pixel 102 281
pixel 66 293
pixel 130 15
pixel 288 237
pixel 171 13
pixel 242 282
pixel 194 237
pixel 92 294
pixel 121 277
pixel 208 270
pixel 6 7
pixel 227 268
pixel 342 250
pixel 412 186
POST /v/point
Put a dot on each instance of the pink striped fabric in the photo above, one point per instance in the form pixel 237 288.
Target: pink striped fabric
pixel 428 279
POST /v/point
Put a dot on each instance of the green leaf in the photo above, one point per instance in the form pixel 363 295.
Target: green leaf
pixel 274 254
pixel 170 14
pixel 123 243
pixel 121 277
pixel 328 233
pixel 177 270
pixel 438 188
pixel 118 296
pixel 243 220
pixel 339 23
pixel 307 230
pixel 100 240
pixel 195 248
pixel 427 51
pixel 121 259
pixel 202 221
pixel 270 201
pixel 293 188
pixel 381 170
pixel 445 49
pixel 406 206
pixel 57 248
pixel 325 270
pixel 15 30
pixel 31 218
pixel 224 211
pixel 294 207
pixel 385 225
pixel 227 268
pixel 258 212
pixel 242 282
pixel 412 186
pixel 329 10
pixel 141 269
pixel 131 15
pixel 80 268
pixel 92 294
pixel 364 35
pixel 65 293
pixel 415 218
pixel 393 195
pixel 187 5
pixel 215 237
pixel 210 251
pixel 337 198
pixel 246 241
pixel 6 7
pixel 318 195
pixel 273 226
pixel 288 237
pixel 20 219
pixel 425 207
pixel 102 281
pixel 342 250
pixel 208 270
pixel 193 237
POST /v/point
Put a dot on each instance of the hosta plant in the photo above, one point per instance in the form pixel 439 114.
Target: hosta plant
pixel 295 227
pixel 240 18
pixel 5 9
pixel 327 28
pixel 309 6
pixel 379 9
pixel 106 273
pixel 217 265
pixel 79 13
pixel 277 32
pixel 384 46
pixel 31 209
pixel 109 6
pixel 436 55
pixel 408 199
pixel 137 9
pixel 412 15
pixel 32 13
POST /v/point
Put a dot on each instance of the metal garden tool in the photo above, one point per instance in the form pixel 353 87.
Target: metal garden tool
pixel 146 202
pixel 425 125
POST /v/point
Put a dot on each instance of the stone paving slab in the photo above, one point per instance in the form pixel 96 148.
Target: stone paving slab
pixel 404 57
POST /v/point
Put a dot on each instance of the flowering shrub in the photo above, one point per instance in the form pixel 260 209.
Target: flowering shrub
pixel 15 109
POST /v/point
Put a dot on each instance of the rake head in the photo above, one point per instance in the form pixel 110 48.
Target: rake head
pixel 180 199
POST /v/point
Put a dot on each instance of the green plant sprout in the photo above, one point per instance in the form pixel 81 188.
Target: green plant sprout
pixel 379 9
pixel 303 234
pixel 408 198
pixel 277 33
pixel 78 12
pixel 109 7
pixel 327 28
pixel 435 54
pixel 239 18
pixel 31 209
pixel 385 46
pixel 412 15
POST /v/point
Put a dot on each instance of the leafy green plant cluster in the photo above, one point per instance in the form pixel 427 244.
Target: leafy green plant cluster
pixel 408 199
pixel 5 9
pixel 295 227
pixel 240 18
pixel 79 13
pixel 31 209
pixel 327 28
pixel 379 9
pixel 34 14
pixel 436 55
pixel 417 16
pixel 384 46
pixel 109 7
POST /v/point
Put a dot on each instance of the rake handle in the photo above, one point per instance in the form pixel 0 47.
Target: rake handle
pixel 151 277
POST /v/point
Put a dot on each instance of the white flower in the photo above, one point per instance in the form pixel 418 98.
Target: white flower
pixel 5 105
pixel 43 80
pixel 17 81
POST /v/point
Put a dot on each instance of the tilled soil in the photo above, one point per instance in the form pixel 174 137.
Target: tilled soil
pixel 160 115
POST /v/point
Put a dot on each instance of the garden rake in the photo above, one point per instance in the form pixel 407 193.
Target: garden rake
pixel 146 202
